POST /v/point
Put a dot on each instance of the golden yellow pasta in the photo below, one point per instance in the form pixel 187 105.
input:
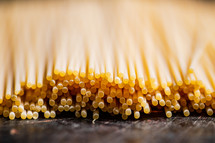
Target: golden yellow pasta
pixel 121 57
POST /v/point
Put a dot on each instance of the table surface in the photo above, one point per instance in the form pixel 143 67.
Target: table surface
pixel 149 128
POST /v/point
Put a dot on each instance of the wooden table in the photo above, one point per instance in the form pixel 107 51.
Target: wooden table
pixel 150 128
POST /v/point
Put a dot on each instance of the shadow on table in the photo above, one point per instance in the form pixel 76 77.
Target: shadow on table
pixel 149 128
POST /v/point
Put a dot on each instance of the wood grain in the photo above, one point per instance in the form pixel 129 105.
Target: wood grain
pixel 150 128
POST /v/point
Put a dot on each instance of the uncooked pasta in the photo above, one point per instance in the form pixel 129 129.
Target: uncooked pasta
pixel 126 58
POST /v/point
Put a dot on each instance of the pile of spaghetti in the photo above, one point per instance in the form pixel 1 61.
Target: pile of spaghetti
pixel 127 58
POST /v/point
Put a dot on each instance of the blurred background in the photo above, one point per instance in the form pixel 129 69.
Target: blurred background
pixel 67 128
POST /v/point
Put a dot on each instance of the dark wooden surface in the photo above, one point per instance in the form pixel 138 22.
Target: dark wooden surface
pixel 150 128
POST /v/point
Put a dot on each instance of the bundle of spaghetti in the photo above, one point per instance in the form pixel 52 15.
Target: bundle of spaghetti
pixel 126 58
